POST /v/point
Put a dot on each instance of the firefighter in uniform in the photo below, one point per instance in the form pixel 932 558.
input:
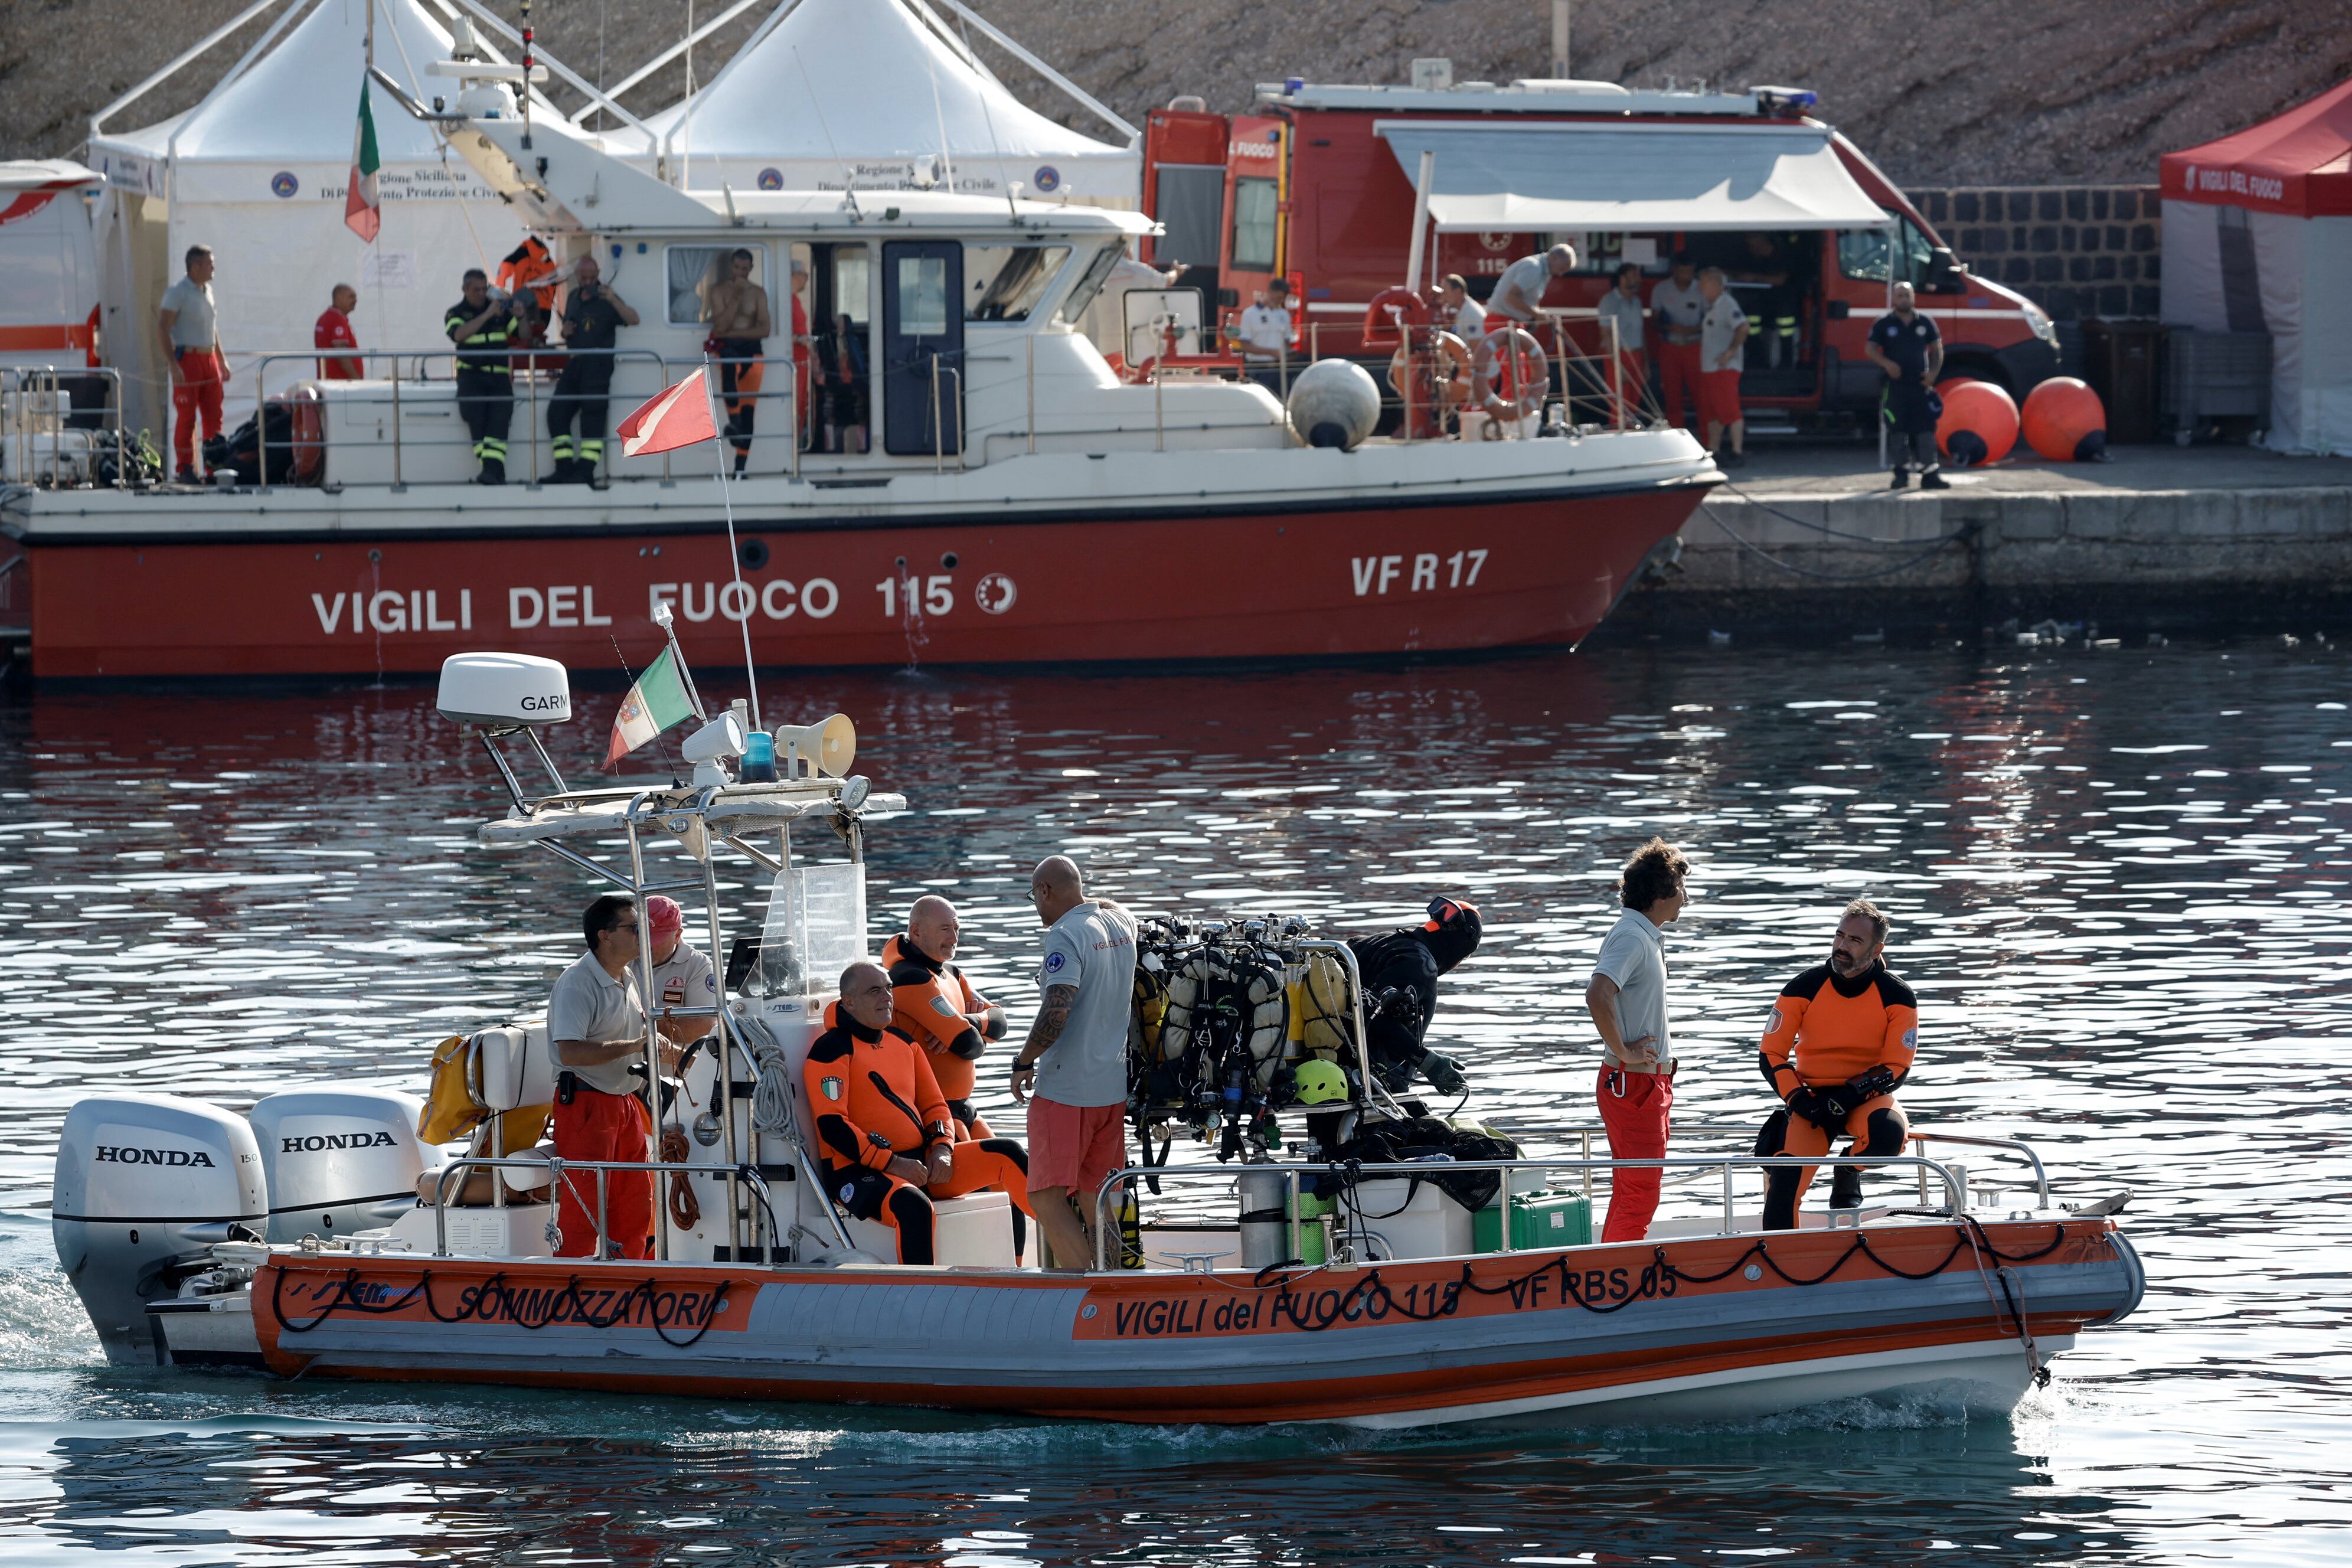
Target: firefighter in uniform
pixel 883 1127
pixel 1838 1044
pixel 593 317
pixel 481 327
pixel 936 1007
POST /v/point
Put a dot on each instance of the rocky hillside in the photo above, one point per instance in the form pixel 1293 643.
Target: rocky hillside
pixel 1941 92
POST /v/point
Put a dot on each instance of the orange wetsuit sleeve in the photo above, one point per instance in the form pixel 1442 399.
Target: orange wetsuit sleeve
pixel 1901 1043
pixel 937 1124
pixel 1781 1027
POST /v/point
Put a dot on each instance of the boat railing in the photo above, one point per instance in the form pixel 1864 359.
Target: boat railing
pixel 526 380
pixel 1349 1173
pixel 1584 1132
pixel 34 399
pixel 750 1178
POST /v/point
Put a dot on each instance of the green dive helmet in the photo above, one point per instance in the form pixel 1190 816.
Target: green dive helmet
pixel 1321 1083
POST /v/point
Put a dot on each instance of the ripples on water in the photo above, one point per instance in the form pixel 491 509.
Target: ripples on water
pixel 2117 880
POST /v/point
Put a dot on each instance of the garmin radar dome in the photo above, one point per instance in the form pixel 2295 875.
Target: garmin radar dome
pixel 1334 403
pixel 145 1185
pixel 503 692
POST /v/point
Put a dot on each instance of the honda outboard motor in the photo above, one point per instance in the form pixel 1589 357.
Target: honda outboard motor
pixel 146 1184
pixel 338 1160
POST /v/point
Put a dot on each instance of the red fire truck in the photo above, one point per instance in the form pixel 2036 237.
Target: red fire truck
pixel 1322 185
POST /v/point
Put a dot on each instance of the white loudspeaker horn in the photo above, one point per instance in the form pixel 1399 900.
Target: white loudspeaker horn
pixel 827 747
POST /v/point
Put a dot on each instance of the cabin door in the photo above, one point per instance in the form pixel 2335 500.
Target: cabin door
pixel 922 348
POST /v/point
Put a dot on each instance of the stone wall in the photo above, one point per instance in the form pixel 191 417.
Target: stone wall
pixel 2074 250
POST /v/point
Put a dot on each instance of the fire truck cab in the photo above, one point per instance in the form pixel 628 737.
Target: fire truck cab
pixel 1321 184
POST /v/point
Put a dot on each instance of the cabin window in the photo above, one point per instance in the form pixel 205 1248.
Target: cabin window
pixel 1862 254
pixel 1254 204
pixel 1006 282
pixel 1089 286
pixel 923 295
pixel 1192 209
pixel 694 270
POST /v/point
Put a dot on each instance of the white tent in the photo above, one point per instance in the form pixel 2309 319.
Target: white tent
pixel 257 170
pixel 883 94
pixel 1576 175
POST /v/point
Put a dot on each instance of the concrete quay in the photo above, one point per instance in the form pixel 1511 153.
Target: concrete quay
pixel 1809 542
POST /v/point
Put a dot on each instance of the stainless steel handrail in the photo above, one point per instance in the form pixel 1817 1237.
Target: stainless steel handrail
pixel 530 372
pixel 1425 1170
pixel 27 381
pixel 556 1165
pixel 2041 1179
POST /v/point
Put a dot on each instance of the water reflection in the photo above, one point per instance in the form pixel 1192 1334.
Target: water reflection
pixel 2117 880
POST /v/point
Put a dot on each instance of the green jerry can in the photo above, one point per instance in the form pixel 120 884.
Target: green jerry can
pixel 1314 1216
pixel 1537 1220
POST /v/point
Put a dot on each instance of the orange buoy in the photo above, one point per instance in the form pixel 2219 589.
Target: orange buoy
pixel 2065 422
pixel 1979 423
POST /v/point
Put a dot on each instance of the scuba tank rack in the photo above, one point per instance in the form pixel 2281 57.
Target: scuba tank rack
pixel 1226 1012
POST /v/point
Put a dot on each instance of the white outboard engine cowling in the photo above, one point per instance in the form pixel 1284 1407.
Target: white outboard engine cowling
pixel 146 1184
pixel 338 1160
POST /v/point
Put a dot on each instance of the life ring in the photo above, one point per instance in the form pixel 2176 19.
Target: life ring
pixel 1443 379
pixel 1390 313
pixel 1512 376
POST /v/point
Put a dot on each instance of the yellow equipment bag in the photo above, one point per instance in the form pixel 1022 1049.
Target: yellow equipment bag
pixel 1329 1012
pixel 453 1105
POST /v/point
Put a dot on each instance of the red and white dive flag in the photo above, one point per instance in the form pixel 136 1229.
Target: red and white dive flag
pixel 677 417
pixel 362 211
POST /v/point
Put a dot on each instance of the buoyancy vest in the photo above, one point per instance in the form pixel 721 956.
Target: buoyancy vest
pixel 529 266
pixel 1825 1029
pixel 873 1096
pixel 934 1003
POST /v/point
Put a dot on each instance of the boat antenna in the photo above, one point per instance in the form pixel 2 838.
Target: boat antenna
pixel 995 149
pixel 940 115
pixel 734 555
pixel 848 175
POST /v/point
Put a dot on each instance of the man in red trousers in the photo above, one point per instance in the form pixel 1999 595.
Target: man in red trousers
pixel 1627 999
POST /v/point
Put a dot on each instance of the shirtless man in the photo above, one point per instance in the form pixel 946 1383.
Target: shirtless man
pixel 741 324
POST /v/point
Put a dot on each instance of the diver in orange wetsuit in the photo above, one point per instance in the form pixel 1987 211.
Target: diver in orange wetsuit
pixel 884 1130
pixel 938 1008
pixel 1839 1042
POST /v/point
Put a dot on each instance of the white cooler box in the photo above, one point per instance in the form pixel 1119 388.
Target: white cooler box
pixel 1427 1225
pixel 357 418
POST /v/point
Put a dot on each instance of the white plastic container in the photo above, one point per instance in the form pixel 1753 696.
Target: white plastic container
pixel 1404 1219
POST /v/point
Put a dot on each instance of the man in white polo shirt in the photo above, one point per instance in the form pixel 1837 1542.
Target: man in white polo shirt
pixel 1519 292
pixel 597 1035
pixel 1627 999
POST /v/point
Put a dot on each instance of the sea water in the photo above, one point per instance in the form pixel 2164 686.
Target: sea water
pixel 2117 881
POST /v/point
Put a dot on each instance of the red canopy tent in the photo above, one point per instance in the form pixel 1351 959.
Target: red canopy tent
pixel 2258 238
pixel 2299 163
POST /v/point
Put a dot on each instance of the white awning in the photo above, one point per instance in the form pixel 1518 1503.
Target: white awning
pixel 1610 177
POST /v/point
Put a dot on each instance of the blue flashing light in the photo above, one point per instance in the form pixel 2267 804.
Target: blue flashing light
pixel 1293 86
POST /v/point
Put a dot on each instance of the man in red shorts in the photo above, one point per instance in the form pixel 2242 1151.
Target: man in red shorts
pixel 1722 348
pixel 1075 1057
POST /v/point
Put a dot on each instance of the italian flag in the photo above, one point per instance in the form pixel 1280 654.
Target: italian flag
pixel 362 212
pixel 657 701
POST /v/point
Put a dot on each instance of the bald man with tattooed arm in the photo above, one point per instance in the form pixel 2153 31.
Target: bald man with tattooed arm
pixel 1075 1057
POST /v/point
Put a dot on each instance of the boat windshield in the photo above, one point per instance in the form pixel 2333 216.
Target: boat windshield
pixel 1089 286
pixel 1006 282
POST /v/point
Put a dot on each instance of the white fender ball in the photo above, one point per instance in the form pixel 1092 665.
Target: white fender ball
pixel 1334 403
